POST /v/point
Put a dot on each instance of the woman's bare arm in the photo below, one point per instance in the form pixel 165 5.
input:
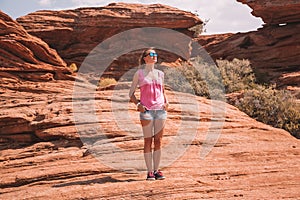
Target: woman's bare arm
pixel 132 96
pixel 166 104
pixel 133 88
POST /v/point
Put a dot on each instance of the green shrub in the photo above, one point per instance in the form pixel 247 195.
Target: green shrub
pixel 237 75
pixel 73 67
pixel 196 77
pixel 277 108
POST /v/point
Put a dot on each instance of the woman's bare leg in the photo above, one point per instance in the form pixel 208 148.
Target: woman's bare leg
pixel 158 133
pixel 147 126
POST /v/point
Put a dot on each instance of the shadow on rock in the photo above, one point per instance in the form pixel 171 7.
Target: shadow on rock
pixel 107 179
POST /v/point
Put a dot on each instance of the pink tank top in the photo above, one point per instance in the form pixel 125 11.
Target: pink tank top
pixel 152 96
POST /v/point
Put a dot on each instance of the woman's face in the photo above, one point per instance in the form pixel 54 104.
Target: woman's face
pixel 151 57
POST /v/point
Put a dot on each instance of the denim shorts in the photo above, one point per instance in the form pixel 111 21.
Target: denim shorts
pixel 153 115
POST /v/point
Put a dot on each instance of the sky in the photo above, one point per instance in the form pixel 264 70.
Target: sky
pixel 224 16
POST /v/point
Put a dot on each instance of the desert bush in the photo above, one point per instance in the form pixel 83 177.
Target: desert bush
pixel 104 82
pixel 204 80
pixel 264 103
pixel 237 75
pixel 196 77
pixel 73 67
pixel 277 108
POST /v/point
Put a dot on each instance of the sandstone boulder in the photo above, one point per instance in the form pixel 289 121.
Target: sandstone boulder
pixel 75 33
pixel 25 56
pixel 274 12
pixel 272 50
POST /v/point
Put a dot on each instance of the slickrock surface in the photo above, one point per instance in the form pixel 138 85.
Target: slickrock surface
pixel 249 161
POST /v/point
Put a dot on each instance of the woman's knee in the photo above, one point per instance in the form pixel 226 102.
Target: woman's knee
pixel 148 142
pixel 157 141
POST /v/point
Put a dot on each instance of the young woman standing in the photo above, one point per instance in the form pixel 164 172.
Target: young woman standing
pixel 153 107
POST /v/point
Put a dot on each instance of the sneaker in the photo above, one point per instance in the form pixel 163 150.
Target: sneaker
pixel 150 176
pixel 159 175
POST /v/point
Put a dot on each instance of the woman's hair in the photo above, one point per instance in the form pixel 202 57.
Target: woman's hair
pixel 144 54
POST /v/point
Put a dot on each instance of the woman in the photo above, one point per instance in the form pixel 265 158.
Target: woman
pixel 152 106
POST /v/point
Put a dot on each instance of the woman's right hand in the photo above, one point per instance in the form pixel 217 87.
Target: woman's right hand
pixel 141 108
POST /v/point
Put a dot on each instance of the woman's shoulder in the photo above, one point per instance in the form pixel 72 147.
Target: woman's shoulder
pixel 138 73
pixel 159 72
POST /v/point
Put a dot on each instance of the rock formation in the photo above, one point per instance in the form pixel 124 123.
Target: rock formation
pixel 250 160
pixel 276 11
pixel 44 156
pixel 81 30
pixel 273 50
pixel 25 56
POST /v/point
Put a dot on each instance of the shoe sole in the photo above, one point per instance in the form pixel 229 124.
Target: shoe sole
pixel 150 179
pixel 162 178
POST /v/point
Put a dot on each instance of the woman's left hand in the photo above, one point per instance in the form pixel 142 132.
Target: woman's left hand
pixel 166 106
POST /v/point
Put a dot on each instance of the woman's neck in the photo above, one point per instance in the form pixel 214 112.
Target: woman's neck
pixel 149 67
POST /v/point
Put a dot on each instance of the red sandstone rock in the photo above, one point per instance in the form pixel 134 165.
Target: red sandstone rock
pixel 209 40
pixel 42 157
pixel 250 160
pixel 272 51
pixel 274 12
pixel 81 30
pixel 25 56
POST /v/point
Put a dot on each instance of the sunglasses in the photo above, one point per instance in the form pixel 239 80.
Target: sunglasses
pixel 151 54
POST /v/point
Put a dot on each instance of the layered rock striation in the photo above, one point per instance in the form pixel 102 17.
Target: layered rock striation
pixel 247 159
pixel 25 56
pixel 75 33
pixel 43 155
pixel 276 11
pixel 273 50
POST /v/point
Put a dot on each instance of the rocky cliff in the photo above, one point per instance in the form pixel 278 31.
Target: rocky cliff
pixel 273 50
pixel 81 30
pixel 276 11
pixel 23 56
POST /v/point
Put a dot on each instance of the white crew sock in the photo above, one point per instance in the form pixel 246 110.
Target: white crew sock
pixel 148 161
pixel 156 159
